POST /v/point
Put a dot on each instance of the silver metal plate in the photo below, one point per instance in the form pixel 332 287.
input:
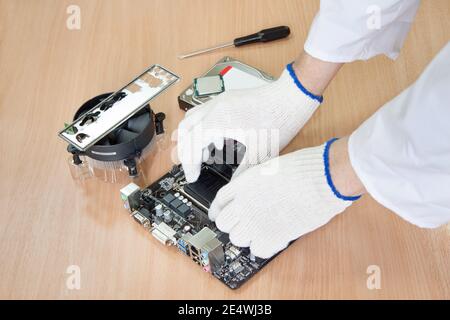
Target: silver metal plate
pixel 98 122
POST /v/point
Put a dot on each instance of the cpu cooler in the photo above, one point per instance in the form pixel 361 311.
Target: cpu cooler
pixel 121 149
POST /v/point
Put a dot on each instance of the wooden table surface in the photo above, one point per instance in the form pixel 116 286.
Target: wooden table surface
pixel 48 222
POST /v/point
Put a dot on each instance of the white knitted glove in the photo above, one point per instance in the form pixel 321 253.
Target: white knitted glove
pixel 267 212
pixel 274 113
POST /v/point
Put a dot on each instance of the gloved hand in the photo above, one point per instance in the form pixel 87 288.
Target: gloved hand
pixel 267 212
pixel 281 107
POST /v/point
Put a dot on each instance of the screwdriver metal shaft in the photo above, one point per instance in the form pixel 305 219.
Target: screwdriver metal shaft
pixel 198 52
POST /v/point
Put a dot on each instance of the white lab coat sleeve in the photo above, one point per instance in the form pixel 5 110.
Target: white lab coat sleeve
pixel 402 153
pixel 349 30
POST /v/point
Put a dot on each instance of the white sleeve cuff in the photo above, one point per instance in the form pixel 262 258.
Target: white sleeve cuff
pixel 401 154
pixel 349 30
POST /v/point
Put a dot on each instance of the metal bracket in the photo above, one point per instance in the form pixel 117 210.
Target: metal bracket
pixel 112 112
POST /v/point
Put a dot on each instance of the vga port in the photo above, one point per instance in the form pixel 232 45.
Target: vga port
pixel 139 218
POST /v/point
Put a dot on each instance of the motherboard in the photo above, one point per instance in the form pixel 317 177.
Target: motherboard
pixel 176 214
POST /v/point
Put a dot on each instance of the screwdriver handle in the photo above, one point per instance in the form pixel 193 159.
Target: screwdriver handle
pixel 265 35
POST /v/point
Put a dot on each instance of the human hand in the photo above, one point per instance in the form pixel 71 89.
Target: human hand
pixel 263 119
pixel 267 212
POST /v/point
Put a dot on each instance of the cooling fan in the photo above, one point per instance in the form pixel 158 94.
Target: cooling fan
pixel 119 153
pixel 112 132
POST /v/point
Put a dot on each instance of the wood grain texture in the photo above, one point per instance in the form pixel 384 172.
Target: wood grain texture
pixel 47 222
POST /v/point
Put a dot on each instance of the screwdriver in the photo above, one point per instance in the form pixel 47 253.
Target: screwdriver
pixel 266 35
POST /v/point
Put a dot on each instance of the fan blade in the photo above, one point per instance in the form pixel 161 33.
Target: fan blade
pixel 110 139
pixel 125 135
pixel 104 142
pixel 139 123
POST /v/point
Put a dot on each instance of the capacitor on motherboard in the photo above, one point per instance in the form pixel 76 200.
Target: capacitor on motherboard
pixel 159 210
pixel 167 216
